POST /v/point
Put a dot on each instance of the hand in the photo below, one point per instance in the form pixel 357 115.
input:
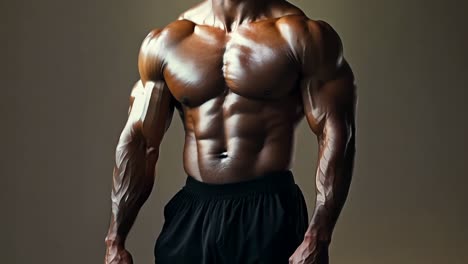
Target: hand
pixel 310 251
pixel 117 255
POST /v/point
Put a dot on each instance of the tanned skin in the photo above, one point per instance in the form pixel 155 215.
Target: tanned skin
pixel 242 74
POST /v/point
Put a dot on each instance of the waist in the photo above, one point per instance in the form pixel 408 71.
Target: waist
pixel 272 182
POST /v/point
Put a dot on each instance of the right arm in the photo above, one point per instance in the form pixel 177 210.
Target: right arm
pixel 150 113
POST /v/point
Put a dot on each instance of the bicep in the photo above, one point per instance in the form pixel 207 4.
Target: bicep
pixel 150 112
pixel 330 105
pixel 338 130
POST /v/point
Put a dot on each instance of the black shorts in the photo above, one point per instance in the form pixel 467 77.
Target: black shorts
pixel 260 221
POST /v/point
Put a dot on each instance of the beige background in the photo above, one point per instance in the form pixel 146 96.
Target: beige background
pixel 67 70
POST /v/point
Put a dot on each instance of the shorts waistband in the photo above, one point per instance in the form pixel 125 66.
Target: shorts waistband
pixel 271 182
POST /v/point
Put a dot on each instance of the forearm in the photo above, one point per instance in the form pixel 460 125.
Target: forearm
pixel 133 179
pixel 333 179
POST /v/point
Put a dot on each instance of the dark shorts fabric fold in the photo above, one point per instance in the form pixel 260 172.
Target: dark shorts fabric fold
pixel 260 221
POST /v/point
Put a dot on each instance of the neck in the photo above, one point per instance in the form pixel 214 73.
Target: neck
pixel 232 13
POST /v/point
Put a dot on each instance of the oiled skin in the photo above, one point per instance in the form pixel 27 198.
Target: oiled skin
pixel 241 86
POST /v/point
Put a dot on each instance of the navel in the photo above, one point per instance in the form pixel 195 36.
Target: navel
pixel 223 155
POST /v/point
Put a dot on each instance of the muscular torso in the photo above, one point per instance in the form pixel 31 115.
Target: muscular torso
pixel 241 87
pixel 237 93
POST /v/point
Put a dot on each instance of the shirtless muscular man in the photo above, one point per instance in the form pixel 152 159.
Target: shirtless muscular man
pixel 241 74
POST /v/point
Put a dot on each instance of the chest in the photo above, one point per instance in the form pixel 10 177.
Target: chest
pixel 254 63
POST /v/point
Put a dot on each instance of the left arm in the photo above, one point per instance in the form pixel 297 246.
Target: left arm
pixel 336 134
pixel 329 99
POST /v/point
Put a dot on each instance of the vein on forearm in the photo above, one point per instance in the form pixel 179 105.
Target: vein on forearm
pixel 133 180
pixel 334 171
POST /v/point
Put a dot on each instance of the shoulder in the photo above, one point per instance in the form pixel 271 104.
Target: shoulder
pixel 317 33
pixel 157 44
pixel 327 47
pixel 160 40
pixel 325 39
pixel 316 44
pixel 169 35
pixel 293 27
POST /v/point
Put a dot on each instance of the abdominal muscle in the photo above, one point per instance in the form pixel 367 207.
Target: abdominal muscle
pixel 231 138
